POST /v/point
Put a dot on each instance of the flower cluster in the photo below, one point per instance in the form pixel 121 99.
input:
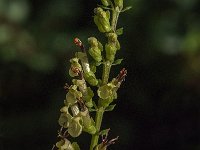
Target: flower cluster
pixel 89 93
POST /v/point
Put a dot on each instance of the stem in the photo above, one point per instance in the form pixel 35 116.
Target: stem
pixel 100 111
pixel 98 120
pixel 115 16
pixel 105 77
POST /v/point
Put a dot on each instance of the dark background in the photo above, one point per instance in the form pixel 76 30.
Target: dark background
pixel 159 103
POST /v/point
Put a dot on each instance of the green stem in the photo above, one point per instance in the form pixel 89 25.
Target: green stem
pixel 105 78
pixel 100 111
pixel 98 120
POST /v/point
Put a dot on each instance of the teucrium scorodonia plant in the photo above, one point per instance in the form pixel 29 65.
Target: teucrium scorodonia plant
pixel 75 117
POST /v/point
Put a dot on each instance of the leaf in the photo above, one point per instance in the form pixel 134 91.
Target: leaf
pixel 119 31
pixel 126 8
pixel 104 132
pixel 117 62
pixel 110 107
pixel 91 109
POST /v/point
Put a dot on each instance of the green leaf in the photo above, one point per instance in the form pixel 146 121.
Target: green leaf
pixel 110 107
pixel 126 8
pixel 104 132
pixel 117 62
pixel 119 31
pixel 91 109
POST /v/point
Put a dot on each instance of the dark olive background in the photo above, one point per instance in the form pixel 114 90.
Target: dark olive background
pixel 158 105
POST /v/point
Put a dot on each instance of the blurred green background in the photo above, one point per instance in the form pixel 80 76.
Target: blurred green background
pixel 159 103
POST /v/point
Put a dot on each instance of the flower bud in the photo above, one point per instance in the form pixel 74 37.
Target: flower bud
pixel 119 3
pixel 88 123
pixel 101 19
pixel 105 2
pixel 110 51
pixel 88 97
pixel 93 42
pixel 95 49
pixel 90 78
pixel 112 38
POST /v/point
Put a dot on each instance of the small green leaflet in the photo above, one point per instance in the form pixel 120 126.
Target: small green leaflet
pixel 119 31
pixel 117 62
pixel 104 132
pixel 126 8
pixel 110 107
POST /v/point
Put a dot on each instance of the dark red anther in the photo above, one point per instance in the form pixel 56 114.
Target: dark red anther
pixel 78 42
pixel 122 74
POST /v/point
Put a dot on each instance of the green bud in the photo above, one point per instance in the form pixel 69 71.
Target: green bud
pixel 112 37
pixel 64 144
pixel 110 51
pixel 105 2
pixel 88 123
pixel 95 52
pixel 75 128
pixel 93 67
pixel 95 49
pixel 90 78
pixel 119 3
pixel 88 98
pixel 98 24
pixel 93 42
pixel 101 19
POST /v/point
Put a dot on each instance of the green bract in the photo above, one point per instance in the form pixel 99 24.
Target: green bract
pixel 90 78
